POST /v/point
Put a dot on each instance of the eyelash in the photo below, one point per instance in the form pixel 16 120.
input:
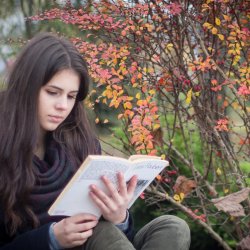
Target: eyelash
pixel 71 97
pixel 53 93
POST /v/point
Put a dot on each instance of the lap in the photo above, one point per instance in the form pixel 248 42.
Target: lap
pixel 165 232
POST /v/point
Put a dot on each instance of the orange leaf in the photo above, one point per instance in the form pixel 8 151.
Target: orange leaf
pixel 214 31
pixel 127 105
pixel 184 185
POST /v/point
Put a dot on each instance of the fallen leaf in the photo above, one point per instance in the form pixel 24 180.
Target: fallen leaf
pixel 231 203
pixel 184 185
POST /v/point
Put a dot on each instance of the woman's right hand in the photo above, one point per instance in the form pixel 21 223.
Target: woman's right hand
pixel 75 230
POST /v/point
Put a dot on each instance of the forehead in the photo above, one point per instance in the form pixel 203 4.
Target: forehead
pixel 66 79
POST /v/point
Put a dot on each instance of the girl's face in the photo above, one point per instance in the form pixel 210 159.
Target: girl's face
pixel 57 98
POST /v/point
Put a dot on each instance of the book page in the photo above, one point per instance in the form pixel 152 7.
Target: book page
pixel 75 197
pixel 145 170
pixel 139 157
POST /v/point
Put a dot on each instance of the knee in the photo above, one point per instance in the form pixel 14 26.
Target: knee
pixel 171 221
pixel 176 228
pixel 107 236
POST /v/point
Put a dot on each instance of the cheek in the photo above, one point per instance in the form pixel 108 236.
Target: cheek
pixel 71 107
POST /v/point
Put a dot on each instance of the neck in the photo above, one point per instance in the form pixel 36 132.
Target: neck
pixel 40 146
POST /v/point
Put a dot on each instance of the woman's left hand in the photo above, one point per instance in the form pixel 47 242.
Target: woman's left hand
pixel 114 207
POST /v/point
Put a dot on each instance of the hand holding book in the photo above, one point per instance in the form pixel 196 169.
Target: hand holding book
pixel 75 197
pixel 114 206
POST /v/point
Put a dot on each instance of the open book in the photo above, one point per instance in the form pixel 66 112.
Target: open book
pixel 75 197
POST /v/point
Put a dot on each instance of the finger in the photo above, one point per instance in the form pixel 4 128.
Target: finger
pixel 103 205
pixel 84 235
pixel 80 238
pixel 103 197
pixel 132 185
pixel 82 217
pixel 122 184
pixel 111 188
pixel 84 226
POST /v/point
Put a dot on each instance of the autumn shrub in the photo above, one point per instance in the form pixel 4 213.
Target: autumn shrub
pixel 177 74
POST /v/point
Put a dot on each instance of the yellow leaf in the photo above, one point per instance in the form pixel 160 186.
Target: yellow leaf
pixel 163 157
pixel 221 37
pixel 189 96
pixel 217 21
pixel 197 93
pixel 182 195
pixel 177 198
pixel 138 96
pixel 237 51
pixel 151 92
pixel 105 121
pixel 218 171
pixel 235 105
pixel 156 126
pixel 226 190
pixel 231 52
pixel 214 31
pixel 169 46
pixel 208 25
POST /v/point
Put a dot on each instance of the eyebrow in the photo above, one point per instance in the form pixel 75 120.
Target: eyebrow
pixel 58 88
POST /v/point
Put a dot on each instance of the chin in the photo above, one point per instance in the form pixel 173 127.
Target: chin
pixel 50 128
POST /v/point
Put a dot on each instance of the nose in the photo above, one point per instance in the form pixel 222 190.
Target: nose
pixel 62 103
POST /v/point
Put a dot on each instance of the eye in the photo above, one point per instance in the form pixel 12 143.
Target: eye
pixel 71 97
pixel 51 92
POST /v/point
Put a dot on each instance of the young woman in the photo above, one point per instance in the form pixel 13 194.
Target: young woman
pixel 44 137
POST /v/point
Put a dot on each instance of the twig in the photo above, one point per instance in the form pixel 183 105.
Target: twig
pixel 188 213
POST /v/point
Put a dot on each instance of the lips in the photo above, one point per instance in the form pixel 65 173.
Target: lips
pixel 55 118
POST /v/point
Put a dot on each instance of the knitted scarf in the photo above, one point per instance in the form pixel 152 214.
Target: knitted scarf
pixel 52 173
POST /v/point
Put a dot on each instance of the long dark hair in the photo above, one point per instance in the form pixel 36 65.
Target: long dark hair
pixel 40 60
